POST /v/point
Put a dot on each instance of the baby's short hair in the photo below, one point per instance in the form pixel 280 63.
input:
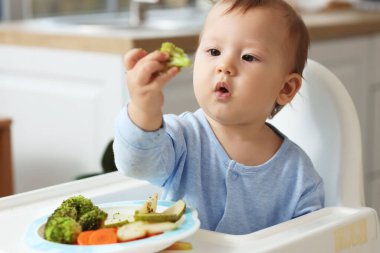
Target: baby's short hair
pixel 298 35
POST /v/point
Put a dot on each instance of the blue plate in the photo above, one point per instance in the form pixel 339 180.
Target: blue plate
pixel 190 224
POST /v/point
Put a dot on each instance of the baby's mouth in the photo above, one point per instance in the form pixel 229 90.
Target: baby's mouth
pixel 222 90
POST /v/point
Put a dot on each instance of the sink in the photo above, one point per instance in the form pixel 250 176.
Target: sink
pixel 159 20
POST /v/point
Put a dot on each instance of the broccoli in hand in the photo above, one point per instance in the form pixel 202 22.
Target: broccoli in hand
pixel 178 58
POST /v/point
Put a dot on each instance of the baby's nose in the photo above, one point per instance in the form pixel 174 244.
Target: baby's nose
pixel 226 68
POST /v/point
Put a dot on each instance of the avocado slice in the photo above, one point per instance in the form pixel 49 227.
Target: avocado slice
pixel 171 214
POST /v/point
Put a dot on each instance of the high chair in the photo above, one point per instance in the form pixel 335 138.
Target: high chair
pixel 322 119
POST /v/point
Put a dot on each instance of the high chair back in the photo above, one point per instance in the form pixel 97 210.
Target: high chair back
pixel 322 120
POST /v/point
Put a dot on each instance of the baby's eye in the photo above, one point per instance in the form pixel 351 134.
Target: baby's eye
pixel 249 58
pixel 213 52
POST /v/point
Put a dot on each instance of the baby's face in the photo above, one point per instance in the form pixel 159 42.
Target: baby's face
pixel 241 64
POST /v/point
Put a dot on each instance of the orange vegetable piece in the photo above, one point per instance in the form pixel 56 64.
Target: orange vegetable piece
pixel 103 236
pixel 84 237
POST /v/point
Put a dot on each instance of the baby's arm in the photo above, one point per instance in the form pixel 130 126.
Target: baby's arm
pixel 145 83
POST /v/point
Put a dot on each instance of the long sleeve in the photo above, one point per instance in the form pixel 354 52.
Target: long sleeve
pixel 143 155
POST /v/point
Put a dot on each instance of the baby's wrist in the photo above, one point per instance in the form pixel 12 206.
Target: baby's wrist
pixel 147 120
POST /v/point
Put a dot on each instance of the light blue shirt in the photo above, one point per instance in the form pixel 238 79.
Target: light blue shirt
pixel 186 158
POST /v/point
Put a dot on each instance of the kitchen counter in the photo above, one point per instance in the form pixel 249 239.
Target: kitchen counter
pixel 322 26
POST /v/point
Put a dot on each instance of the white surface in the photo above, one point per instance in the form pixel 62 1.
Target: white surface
pixel 354 230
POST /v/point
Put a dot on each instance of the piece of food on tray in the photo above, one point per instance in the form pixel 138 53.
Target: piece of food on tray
pixel 178 57
pixel 62 230
pixel 93 219
pixel 98 237
pixel 117 220
pixel 150 205
pixel 74 215
pixel 171 214
pixel 139 229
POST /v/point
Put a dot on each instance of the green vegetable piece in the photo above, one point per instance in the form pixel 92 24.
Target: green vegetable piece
pixel 116 224
pixel 172 214
pixel 62 230
pixel 93 219
pixel 178 57
pixel 74 215
pixel 80 203
pixel 66 211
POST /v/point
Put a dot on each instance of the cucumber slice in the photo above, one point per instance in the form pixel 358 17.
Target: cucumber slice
pixel 172 214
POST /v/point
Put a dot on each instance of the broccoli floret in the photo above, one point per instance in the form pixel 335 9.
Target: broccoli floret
pixel 80 203
pixel 178 58
pixel 66 211
pixel 93 219
pixel 74 215
pixel 62 230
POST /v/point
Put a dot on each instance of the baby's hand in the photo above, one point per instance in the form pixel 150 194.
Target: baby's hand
pixel 146 79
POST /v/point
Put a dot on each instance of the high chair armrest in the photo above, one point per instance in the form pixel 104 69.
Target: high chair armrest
pixel 333 229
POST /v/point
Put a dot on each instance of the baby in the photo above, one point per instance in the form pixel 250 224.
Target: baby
pixel 239 172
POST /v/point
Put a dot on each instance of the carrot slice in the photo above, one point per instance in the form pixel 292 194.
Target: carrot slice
pixel 83 237
pixel 103 236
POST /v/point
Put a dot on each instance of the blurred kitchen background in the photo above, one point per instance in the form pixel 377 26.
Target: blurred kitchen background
pixel 62 78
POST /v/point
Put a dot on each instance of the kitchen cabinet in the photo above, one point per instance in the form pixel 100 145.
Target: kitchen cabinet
pixel 62 105
pixel 355 61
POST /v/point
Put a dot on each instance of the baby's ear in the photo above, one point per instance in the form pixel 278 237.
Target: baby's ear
pixel 289 89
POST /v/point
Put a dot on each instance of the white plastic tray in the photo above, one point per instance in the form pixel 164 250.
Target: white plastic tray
pixel 334 229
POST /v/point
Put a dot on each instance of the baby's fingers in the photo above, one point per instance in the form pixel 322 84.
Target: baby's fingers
pixel 133 56
pixel 164 77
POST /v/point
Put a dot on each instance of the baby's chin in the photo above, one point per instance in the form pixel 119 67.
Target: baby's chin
pixel 224 116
